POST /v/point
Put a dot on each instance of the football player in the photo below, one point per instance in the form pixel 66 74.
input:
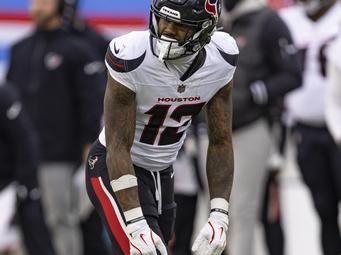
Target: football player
pixel 158 80
pixel 314 25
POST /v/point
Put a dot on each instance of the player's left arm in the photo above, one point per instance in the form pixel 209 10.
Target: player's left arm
pixel 220 150
pixel 220 168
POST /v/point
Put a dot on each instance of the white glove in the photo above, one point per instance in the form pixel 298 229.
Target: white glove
pixel 143 241
pixel 212 237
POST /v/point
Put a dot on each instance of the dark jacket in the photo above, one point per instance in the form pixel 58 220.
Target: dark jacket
pixel 96 40
pixel 61 83
pixel 18 148
pixel 267 55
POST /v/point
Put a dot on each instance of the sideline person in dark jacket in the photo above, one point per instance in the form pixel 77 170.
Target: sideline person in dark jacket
pixel 60 78
pixel 18 157
pixel 81 28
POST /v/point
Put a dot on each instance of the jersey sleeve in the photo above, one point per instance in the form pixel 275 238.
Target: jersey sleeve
pixel 228 50
pixel 123 56
pixel 124 78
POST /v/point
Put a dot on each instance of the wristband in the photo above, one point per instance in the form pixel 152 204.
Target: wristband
pixel 219 204
pixel 124 182
pixel 220 211
pixel 133 215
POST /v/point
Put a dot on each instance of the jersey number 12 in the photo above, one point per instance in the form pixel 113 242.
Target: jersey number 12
pixel 169 135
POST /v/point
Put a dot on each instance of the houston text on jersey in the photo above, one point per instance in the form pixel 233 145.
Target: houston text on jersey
pixel 178 99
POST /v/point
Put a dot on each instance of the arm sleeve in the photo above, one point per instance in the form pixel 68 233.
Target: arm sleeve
pixel 282 57
pixel 18 130
pixel 89 83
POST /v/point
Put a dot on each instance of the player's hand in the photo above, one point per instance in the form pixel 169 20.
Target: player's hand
pixel 143 241
pixel 212 237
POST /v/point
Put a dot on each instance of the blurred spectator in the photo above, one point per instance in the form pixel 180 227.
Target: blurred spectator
pixel 98 45
pixel 9 237
pixel 314 25
pixel 333 107
pixel 271 209
pixel 60 78
pixel 18 154
pixel 268 69
pixel 79 27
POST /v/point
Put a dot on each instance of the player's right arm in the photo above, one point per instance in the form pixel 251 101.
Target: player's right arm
pixel 120 115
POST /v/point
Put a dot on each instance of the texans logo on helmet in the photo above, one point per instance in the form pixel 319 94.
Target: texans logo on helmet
pixel 211 7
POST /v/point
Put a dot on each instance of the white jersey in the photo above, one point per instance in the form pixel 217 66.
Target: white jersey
pixel 333 108
pixel 307 104
pixel 334 51
pixel 165 102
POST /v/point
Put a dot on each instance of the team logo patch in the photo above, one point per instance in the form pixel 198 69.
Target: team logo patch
pixel 181 88
pixel 211 7
pixel 92 161
pixel 53 60
pixel 14 111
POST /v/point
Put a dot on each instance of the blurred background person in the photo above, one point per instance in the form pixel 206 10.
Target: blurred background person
pixel 314 24
pixel 9 238
pixel 267 70
pixel 60 78
pixel 333 101
pixel 271 213
pixel 19 162
pixel 98 44
pixel 80 27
